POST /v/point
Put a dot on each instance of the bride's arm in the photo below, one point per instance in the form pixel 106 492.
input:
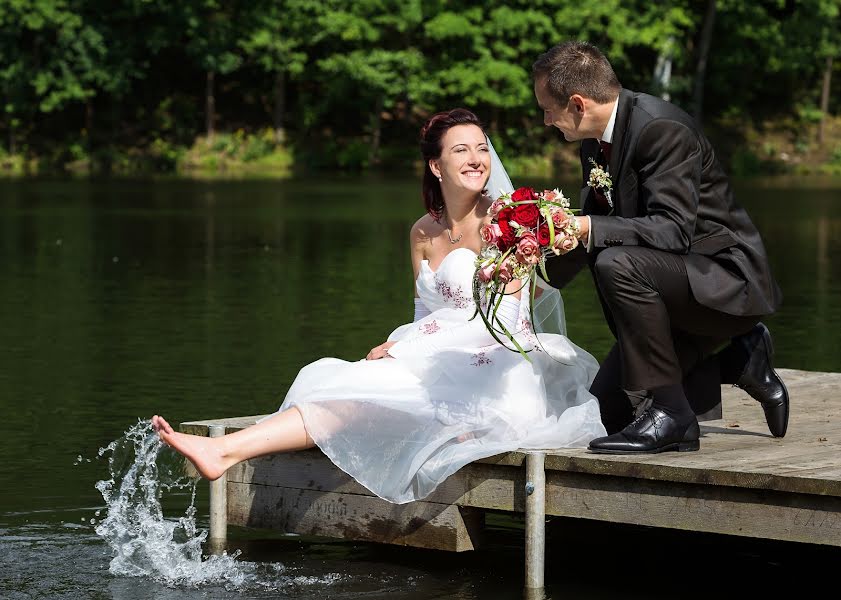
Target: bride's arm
pixel 418 242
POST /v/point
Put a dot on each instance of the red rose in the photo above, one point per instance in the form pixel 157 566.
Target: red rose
pixel 508 237
pixel 543 235
pixel 523 193
pixel 526 215
pixel 506 214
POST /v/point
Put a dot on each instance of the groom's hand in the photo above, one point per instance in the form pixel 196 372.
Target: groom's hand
pixel 380 351
pixel 583 229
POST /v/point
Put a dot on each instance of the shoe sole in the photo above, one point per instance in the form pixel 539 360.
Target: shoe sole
pixel 691 446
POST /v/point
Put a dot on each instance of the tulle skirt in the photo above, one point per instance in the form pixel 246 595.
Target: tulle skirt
pixel 400 427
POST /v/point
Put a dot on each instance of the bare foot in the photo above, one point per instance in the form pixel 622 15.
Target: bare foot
pixel 205 453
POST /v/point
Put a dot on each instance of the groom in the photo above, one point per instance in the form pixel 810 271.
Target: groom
pixel 679 267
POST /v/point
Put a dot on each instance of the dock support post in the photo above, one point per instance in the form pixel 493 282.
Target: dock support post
pixel 218 502
pixel 535 521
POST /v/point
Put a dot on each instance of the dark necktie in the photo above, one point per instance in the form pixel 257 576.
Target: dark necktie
pixel 601 199
pixel 605 149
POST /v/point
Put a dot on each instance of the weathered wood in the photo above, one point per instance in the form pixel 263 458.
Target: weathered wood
pixel 477 485
pixel 728 510
pixel 354 517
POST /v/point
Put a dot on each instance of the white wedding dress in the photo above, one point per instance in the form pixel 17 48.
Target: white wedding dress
pixel 400 426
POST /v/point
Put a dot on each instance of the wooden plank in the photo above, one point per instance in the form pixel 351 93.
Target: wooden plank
pixel 476 485
pixel 354 517
pixel 727 510
pixel 640 468
pixel 231 424
pixel 764 457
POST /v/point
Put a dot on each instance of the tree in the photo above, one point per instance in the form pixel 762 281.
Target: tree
pixel 213 27
pixel 279 43
pixel 50 58
pixel 369 49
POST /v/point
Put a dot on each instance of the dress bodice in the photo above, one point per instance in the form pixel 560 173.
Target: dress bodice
pixel 451 286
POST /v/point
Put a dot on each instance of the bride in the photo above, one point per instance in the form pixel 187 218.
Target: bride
pixel 440 392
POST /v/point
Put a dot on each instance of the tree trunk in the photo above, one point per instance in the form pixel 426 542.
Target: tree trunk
pixel 701 68
pixel 663 72
pixel 279 106
pixel 827 81
pixel 210 104
pixel 376 133
pixel 89 123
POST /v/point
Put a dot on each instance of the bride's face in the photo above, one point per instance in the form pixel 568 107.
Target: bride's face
pixel 465 161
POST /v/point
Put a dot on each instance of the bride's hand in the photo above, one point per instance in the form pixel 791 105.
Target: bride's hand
pixel 380 351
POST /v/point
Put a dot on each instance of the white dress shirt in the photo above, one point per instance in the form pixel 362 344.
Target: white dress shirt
pixel 607 136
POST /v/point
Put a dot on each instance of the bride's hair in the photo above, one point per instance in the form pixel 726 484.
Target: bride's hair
pixel 431 134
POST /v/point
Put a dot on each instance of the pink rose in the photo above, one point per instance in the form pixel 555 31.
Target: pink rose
pixel 505 272
pixel 559 219
pixel 486 273
pixel 496 206
pixel 564 244
pixel 549 195
pixel 528 249
pixel 490 233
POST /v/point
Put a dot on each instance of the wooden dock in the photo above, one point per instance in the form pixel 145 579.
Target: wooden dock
pixel 742 482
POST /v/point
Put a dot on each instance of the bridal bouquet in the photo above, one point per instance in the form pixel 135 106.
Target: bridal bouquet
pixel 526 227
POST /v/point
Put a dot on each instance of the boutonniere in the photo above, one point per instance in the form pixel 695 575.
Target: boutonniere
pixel 600 180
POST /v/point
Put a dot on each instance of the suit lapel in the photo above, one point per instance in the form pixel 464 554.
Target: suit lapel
pixel 619 143
pixel 623 117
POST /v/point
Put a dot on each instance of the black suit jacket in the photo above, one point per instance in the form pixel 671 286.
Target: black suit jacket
pixel 670 193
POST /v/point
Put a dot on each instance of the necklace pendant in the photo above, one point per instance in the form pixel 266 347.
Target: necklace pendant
pixel 454 241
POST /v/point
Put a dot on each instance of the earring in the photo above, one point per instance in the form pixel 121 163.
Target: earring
pixel 441 179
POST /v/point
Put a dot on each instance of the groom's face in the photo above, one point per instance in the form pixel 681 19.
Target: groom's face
pixel 557 114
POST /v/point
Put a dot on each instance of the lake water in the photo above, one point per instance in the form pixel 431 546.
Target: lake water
pixel 201 300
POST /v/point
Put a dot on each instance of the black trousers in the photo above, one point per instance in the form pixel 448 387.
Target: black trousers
pixel 664 336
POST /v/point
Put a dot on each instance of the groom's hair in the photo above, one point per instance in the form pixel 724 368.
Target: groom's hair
pixel 577 68
pixel 431 135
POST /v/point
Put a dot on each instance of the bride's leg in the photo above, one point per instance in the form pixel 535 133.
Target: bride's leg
pixel 283 432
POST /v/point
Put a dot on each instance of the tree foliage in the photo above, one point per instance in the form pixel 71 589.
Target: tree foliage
pixel 345 78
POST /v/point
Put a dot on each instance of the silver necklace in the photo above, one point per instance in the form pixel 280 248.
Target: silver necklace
pixel 454 241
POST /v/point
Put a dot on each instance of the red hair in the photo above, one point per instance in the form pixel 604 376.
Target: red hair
pixel 431 135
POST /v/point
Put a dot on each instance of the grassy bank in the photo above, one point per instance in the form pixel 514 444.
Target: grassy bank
pixel 224 155
pixel 782 147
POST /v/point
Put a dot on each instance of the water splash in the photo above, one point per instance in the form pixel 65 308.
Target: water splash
pixel 143 541
pixel 147 544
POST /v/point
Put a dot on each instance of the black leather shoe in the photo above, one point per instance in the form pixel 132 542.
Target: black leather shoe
pixel 653 431
pixel 761 381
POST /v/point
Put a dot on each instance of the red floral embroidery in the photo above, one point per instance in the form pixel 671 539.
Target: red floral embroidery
pixel 480 359
pixel 430 327
pixel 454 296
pixel 528 333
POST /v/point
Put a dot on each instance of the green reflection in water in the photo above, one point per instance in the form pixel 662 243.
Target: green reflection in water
pixel 202 300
